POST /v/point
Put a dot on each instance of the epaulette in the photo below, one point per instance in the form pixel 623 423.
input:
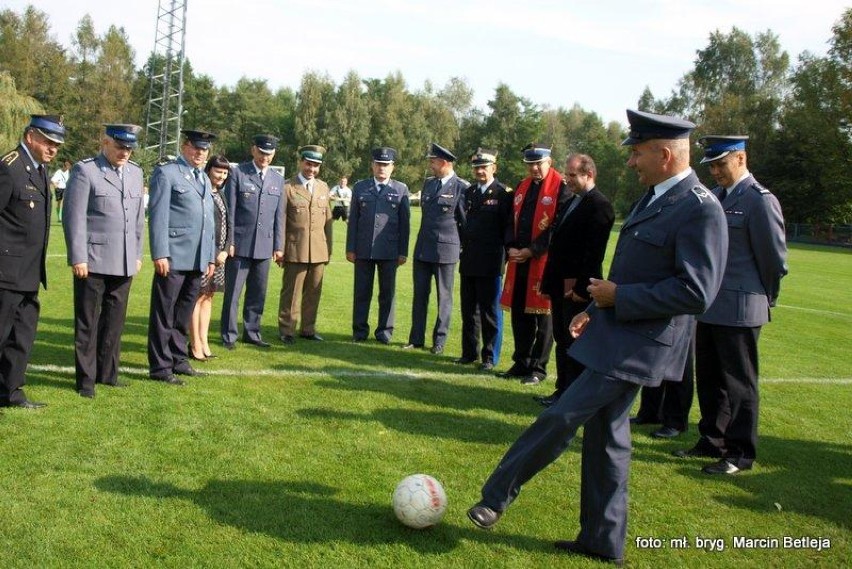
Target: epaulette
pixel 760 189
pixel 134 163
pixel 87 160
pixel 465 183
pixel 10 157
pixel 703 193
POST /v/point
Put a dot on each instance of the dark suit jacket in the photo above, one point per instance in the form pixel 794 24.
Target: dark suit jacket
pixel 24 222
pixel 668 267
pixel 578 244
pixel 488 217
pixel 443 217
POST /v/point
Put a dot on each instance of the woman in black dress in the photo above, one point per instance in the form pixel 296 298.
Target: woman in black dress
pixel 217 170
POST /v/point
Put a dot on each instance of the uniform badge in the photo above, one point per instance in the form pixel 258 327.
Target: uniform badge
pixel 32 204
pixel 448 195
pixel 546 200
pixel 702 194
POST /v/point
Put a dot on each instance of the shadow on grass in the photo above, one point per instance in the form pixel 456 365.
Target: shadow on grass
pixel 431 424
pixel 307 512
pixel 446 394
pixel 805 477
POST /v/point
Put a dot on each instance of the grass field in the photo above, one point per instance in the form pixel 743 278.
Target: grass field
pixel 287 457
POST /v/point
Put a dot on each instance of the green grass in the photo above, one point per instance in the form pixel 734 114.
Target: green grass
pixel 287 457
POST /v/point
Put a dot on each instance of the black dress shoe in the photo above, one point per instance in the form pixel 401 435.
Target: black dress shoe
pixel 723 466
pixel 210 356
pixel 437 350
pixel 533 379
pixel 285 339
pixel 190 371
pixel 513 372
pixel 259 343
pixel 411 346
pixel 385 341
pixel 483 517
pixel 117 383
pixel 171 379
pixel 201 359
pixel 666 433
pixel 549 400
pixel 25 404
pixel 698 451
pixel 574 548
pixel 86 394
pixel 464 361
pixel 358 340
pixel 228 346
pixel 486 366
pixel 315 337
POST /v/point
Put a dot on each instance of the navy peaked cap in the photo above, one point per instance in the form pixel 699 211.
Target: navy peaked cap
pixel 716 146
pixel 649 126
pixel 50 126
pixel 535 152
pixel 438 151
pixel 199 138
pixel 384 155
pixel 124 134
pixel 266 143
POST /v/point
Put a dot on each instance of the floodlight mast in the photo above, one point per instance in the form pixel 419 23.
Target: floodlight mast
pixel 166 65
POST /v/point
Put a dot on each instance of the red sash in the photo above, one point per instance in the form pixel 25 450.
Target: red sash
pixel 545 214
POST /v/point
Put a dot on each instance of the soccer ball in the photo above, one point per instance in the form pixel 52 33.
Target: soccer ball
pixel 419 501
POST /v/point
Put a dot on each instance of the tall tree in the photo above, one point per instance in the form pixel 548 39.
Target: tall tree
pixel 15 111
pixel 350 126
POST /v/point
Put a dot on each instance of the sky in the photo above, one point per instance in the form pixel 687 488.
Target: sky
pixel 557 53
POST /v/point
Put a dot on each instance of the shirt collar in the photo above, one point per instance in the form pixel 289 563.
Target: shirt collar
pixel 303 180
pixel 730 188
pixel 666 185
pixel 33 161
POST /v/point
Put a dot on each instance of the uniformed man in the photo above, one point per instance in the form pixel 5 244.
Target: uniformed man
pixel 667 267
pixel 377 239
pixel 488 214
pixel 726 357
pixel 104 223
pixel 534 210
pixel 182 232
pixel 255 199
pixel 436 251
pixel 307 247
pixel 575 255
pixel 24 227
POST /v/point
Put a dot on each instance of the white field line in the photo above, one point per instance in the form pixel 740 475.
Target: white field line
pixel 815 310
pixel 403 374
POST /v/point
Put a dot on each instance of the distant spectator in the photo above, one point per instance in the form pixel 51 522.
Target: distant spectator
pixel 341 196
pixel 59 180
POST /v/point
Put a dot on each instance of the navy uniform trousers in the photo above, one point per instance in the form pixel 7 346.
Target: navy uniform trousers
pixel 602 405
pixel 444 275
pixel 365 273
pixel 100 310
pixel 18 319
pixel 669 403
pixel 480 313
pixel 173 298
pixel 533 332
pixel 253 274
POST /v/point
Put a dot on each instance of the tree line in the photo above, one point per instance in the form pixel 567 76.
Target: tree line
pixel 799 116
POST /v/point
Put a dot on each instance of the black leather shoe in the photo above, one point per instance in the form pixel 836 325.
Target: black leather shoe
pixel 228 346
pixel 464 361
pixel 86 394
pixel 190 371
pixel 259 343
pixel 359 340
pixel 285 339
pixel 201 359
pixel 549 400
pixel 643 421
pixel 533 379
pixel 315 337
pixel 171 379
pixel 574 548
pixel 117 383
pixel 437 350
pixel 483 517
pixel 666 433
pixel 385 341
pixel 723 466
pixel 411 346
pixel 700 451
pixel 25 404
pixel 486 366
pixel 210 356
pixel 513 372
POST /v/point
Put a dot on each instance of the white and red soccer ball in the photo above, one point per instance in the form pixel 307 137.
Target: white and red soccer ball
pixel 419 501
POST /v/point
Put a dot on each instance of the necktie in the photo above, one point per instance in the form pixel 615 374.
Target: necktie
pixel 310 187
pixel 260 175
pixel 197 173
pixel 120 173
pixel 723 194
pixel 646 199
pixel 438 187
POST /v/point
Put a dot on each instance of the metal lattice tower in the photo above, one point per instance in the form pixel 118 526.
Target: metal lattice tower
pixel 165 95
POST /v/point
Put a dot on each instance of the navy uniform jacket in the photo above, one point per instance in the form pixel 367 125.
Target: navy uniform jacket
pixel 443 217
pixel 255 211
pixel 103 217
pixel 668 266
pixel 379 221
pixel 757 257
pixel 24 223
pixel 578 244
pixel 180 218
pixel 487 217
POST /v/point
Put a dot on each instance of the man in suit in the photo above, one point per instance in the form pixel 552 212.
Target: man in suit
pixel 488 214
pixel 436 251
pixel 577 247
pixel 667 267
pixel 182 233
pixel 377 239
pixel 726 355
pixel 534 210
pixel 307 247
pixel 24 228
pixel 104 223
pixel 255 199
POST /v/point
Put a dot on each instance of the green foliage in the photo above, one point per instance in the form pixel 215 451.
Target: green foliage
pixel 15 111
